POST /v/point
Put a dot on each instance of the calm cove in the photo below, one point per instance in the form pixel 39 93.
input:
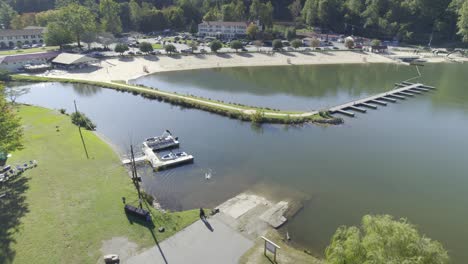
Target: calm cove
pixel 408 159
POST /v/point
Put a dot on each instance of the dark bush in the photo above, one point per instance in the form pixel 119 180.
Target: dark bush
pixel 81 120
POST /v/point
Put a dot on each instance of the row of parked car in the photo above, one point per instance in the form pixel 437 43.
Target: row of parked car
pixel 9 171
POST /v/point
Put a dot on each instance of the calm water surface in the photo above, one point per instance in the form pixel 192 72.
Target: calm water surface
pixel 408 159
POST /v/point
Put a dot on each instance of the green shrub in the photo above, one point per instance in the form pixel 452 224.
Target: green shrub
pixel 82 120
pixel 5 75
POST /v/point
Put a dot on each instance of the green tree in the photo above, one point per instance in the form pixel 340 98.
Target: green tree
pixel 135 14
pixel 11 130
pixel 110 19
pixel 349 43
pixel 7 13
pixel 80 119
pixel 262 12
pixel 169 48
pixel 258 44
pixel 216 45
pixel 193 45
pixel 5 76
pixel 57 35
pixel 213 15
pixel 89 37
pixel 277 44
pixel 295 9
pixel 315 42
pixel 236 44
pixel 376 42
pixel 76 20
pixel 381 239
pixel 252 31
pixel 146 47
pixel 290 33
pixel 121 48
pixel 296 43
pixel 309 12
pixel 463 21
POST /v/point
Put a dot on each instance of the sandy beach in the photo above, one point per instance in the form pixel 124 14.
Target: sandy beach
pixel 127 68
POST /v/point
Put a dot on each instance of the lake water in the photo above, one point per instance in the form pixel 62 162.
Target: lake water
pixel 408 159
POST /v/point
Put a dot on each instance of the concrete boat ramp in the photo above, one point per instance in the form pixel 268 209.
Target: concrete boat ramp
pixel 401 92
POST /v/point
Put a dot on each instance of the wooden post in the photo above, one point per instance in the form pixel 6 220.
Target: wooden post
pixel 81 135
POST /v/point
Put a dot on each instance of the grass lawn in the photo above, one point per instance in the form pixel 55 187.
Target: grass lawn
pixel 157 46
pixel 26 51
pixel 286 254
pixel 62 210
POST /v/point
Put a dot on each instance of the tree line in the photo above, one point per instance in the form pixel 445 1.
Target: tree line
pixel 419 21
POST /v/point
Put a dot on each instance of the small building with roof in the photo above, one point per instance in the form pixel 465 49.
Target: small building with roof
pixel 15 63
pixel 73 61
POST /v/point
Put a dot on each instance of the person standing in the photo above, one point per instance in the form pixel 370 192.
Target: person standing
pixel 202 214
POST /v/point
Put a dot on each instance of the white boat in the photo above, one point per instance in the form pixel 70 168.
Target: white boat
pixel 165 141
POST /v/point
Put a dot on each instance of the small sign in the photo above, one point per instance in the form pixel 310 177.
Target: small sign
pixel 270 246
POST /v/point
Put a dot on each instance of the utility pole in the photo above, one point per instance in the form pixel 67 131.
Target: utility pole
pixel 135 176
pixel 81 135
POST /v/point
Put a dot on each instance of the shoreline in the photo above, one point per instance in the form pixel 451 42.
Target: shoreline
pixel 129 68
pixel 252 114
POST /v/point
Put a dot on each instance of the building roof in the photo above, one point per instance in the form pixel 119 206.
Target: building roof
pixel 70 59
pixel 224 23
pixel 28 57
pixel 21 32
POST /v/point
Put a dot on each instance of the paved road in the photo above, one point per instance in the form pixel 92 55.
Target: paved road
pixel 198 244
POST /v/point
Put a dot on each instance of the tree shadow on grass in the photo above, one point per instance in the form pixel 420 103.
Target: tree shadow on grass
pixel 224 55
pixel 200 56
pixel 174 56
pixel 245 54
pixel 151 58
pixel 289 54
pixel 13 207
pixel 126 58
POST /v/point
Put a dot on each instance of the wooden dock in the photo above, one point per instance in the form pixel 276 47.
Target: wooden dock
pixel 156 162
pixel 403 90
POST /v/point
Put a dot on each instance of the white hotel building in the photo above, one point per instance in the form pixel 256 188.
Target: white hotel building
pixel 222 29
pixel 10 38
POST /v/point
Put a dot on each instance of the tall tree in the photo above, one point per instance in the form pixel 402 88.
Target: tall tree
pixel 23 20
pixel 381 239
pixel 110 19
pixel 6 14
pixel 295 8
pixel 136 13
pixel 77 20
pixel 463 21
pixel 11 130
pixel 57 35
pixel 309 12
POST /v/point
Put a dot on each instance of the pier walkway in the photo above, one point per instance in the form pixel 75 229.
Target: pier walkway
pixel 405 89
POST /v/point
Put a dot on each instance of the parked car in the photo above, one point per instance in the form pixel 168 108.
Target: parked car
pixel 203 51
pixel 139 53
pixel 244 49
pixel 25 46
pixel 131 53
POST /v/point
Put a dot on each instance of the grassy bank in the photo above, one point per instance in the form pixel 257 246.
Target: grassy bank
pixel 26 51
pixel 286 254
pixel 63 210
pixel 231 110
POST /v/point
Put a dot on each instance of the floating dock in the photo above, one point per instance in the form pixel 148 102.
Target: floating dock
pixel 156 162
pixel 403 90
